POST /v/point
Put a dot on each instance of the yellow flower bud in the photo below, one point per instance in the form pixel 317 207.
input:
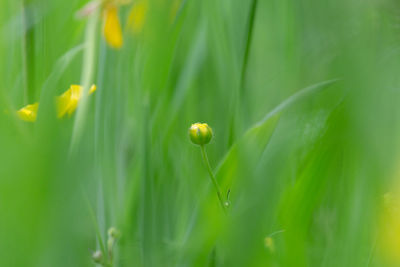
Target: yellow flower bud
pixel 200 133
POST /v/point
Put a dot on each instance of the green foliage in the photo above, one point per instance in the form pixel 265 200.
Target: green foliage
pixel 304 170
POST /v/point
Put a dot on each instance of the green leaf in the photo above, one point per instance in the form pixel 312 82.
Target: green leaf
pixel 245 154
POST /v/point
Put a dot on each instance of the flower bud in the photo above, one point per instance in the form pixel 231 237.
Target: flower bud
pixel 97 256
pixel 113 233
pixel 200 133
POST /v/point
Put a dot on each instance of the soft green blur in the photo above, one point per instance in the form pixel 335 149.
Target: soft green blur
pixel 306 183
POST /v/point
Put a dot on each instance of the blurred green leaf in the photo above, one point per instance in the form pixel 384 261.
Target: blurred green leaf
pixel 244 155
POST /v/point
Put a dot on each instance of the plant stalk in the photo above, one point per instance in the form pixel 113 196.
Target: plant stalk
pixel 214 181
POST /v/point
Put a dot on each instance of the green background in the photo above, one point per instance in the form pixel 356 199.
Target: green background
pixel 319 179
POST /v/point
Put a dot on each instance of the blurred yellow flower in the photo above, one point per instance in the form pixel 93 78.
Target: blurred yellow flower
pixel 29 112
pixel 112 31
pixel 137 16
pixel 66 103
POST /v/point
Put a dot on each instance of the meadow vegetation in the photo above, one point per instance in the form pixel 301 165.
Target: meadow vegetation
pixel 102 162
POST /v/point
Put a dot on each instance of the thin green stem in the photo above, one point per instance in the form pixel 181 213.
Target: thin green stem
pixel 214 181
pixel 95 224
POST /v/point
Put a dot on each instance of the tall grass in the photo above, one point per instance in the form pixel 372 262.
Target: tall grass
pixel 303 99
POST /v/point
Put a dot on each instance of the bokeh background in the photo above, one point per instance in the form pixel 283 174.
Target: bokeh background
pixel 314 185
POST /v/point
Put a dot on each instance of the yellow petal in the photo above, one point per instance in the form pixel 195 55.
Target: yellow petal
pixel 76 92
pixel 63 103
pixel 92 89
pixel 137 16
pixel 112 27
pixel 69 100
pixel 29 112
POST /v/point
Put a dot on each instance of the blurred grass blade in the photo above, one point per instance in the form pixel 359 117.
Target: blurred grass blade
pixel 192 67
pixel 249 37
pixel 297 97
pixel 194 62
pixel 60 67
pixel 95 224
pixel 50 85
pixel 244 155
pixel 28 55
pixel 87 76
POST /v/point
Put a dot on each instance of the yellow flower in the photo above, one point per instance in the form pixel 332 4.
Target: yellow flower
pixel 112 31
pixel 112 27
pixel 29 112
pixel 66 103
pixel 137 16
